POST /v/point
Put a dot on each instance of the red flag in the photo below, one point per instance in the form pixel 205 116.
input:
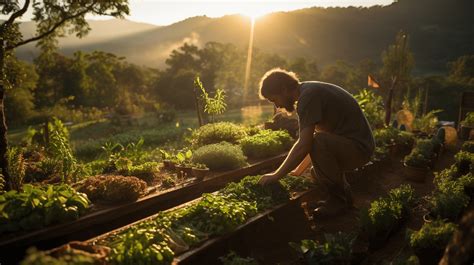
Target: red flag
pixel 371 82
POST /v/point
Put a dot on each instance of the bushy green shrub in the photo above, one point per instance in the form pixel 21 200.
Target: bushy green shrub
pixel 469 120
pixel 218 132
pixel 385 214
pixel 468 146
pixel 405 138
pixel 266 143
pixel 421 155
pixel 113 188
pixel 448 200
pixel 221 156
pixel 434 235
pixel 464 162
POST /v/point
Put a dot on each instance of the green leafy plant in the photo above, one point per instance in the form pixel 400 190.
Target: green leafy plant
pixel 468 146
pixel 36 257
pixel 468 120
pixel 448 200
pixel 35 207
pixel 427 123
pixel 141 246
pixel 113 188
pixel 385 214
pixel 221 156
pixel 434 236
pixel 336 249
pixel 213 105
pixel 60 150
pixel 464 162
pixel 422 154
pixel 218 132
pixel 380 153
pixel 266 143
pixel 16 167
pixel 372 106
pixel 156 240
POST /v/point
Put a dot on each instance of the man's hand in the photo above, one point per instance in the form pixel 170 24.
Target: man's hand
pixel 268 179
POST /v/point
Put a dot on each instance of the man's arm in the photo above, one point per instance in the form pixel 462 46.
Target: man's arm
pixel 298 152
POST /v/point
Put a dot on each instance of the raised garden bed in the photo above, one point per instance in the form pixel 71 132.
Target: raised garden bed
pixel 116 216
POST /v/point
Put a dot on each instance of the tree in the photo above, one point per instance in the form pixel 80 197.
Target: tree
pixel 398 63
pixel 53 19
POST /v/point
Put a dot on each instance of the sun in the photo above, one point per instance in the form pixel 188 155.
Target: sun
pixel 254 13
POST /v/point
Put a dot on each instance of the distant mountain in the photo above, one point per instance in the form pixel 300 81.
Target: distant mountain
pixel 440 31
pixel 101 31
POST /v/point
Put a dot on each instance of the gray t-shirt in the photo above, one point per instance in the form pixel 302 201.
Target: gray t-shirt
pixel 333 110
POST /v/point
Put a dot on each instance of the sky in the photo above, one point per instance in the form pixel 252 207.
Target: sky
pixel 166 12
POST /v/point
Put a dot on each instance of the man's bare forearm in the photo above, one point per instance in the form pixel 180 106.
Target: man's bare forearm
pixel 297 153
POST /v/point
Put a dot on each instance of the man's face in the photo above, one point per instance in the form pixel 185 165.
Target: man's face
pixel 283 101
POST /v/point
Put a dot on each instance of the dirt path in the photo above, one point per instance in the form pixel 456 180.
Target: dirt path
pixel 388 177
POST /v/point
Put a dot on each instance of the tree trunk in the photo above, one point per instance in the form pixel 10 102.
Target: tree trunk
pixel 388 107
pixel 3 124
pixel 198 107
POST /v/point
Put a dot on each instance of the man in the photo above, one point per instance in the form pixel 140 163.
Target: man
pixel 332 130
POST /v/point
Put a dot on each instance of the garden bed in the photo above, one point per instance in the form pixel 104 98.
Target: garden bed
pixel 116 216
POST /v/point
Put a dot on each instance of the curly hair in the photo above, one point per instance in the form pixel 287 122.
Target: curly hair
pixel 274 81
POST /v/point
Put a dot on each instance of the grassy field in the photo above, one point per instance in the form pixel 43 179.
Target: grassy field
pixel 88 137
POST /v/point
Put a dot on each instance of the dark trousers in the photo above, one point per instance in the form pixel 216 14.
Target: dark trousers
pixel 331 156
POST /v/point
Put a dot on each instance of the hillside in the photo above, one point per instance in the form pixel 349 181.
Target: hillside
pixel 438 32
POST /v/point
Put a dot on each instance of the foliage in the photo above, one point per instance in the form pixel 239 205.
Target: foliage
pixel 420 156
pixel 233 259
pixel 156 240
pixel 35 257
pixel 16 167
pixel 434 235
pixel 90 149
pixel 2 184
pixel 468 146
pixel 19 105
pixel 141 246
pixel 266 143
pixel 218 214
pixel 427 123
pixel 296 183
pixel 464 161
pixel 35 207
pixel 217 132
pixel 380 153
pixel 221 156
pixel 386 213
pixel 59 149
pixel 398 62
pixel 461 70
pixel 372 106
pixel 469 120
pixel 336 249
pixel 448 200
pixel 113 188
pixel 213 105
pixel 248 189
